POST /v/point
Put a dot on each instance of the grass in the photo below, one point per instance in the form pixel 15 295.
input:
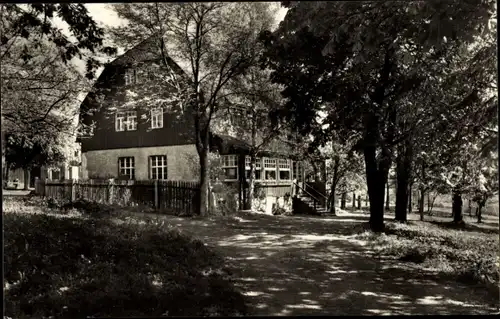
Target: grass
pixel 74 263
pixel 468 257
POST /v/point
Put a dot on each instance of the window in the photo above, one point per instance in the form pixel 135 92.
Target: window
pixel 129 76
pixel 230 167
pixel 120 121
pixel 157 118
pixel 258 168
pixel 158 167
pixel 55 174
pixel 270 168
pixel 126 121
pixel 126 167
pixel 284 169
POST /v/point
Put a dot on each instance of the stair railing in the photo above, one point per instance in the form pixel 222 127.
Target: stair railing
pixel 322 195
pixel 315 200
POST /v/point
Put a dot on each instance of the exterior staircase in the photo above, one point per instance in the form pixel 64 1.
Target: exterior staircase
pixel 308 204
pixel 317 209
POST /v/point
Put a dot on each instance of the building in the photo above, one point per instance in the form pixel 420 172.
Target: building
pixel 137 130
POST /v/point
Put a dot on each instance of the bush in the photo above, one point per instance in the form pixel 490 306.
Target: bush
pixel 74 268
pixel 226 199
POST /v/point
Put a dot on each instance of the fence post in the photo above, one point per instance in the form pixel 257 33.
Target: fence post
pixel 156 193
pixel 73 190
pixel 45 187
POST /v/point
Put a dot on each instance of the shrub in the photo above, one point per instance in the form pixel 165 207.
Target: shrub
pixel 226 197
pixel 259 192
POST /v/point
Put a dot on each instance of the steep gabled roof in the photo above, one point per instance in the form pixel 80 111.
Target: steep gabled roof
pixel 143 51
pixel 146 50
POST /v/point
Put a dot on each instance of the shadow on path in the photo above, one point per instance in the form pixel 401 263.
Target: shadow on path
pixel 311 266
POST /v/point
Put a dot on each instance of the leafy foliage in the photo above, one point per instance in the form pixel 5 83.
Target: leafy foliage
pixel 40 85
pixel 391 72
pixel 35 23
pixel 34 151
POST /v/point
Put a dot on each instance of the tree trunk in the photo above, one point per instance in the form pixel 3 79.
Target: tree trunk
pixel 432 203
pixel 410 194
pixel 359 201
pixel 422 194
pixel 203 203
pixel 480 206
pixel 428 202
pixel 403 187
pixel 387 197
pixel 331 200
pixel 401 191
pixel 469 208
pixel 7 170
pixel 343 200
pixel 421 203
pixel 251 183
pixel 26 178
pixel 376 179
pixel 353 200
pixel 457 207
pixel 323 171
pixel 334 185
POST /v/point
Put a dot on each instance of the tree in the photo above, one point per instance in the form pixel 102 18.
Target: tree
pixel 343 169
pixel 27 151
pixel 485 181
pixel 366 58
pixel 212 42
pixel 40 85
pixel 252 98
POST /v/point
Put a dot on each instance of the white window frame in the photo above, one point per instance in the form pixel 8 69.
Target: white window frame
pixel 130 77
pixel 157 118
pixel 230 161
pixel 120 121
pixel 284 166
pixel 126 166
pixel 258 166
pixel 131 120
pixel 270 164
pixel 126 121
pixel 159 165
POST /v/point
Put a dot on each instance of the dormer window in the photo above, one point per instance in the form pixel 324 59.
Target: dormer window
pixel 126 121
pixel 157 118
pixel 129 76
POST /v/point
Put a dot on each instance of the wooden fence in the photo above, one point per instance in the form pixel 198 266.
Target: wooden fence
pixel 179 196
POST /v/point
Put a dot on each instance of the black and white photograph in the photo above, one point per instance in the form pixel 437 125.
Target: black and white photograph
pixel 238 158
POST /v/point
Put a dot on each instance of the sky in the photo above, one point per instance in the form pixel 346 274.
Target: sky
pixel 102 13
pixel 106 17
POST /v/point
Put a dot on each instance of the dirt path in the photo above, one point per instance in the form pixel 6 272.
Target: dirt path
pixel 311 266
